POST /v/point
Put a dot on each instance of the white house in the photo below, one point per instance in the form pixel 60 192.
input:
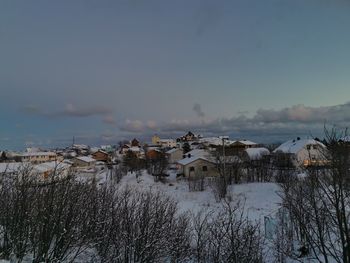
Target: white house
pixel 304 152
pixel 40 157
pixel 174 155
pixel 84 162
pixel 255 154
pixel 58 169
pixel 166 143
pixel 196 165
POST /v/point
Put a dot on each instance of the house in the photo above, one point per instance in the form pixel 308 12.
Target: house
pixel 154 153
pixel 101 155
pixel 40 157
pixel 59 170
pixel 174 155
pixel 214 142
pixel 302 152
pixel 138 151
pixel 243 144
pixel 155 139
pixel 165 143
pixel 108 148
pixel 188 137
pixel 197 166
pixel 255 154
pixel 197 153
pixel 84 162
pixel 135 143
pixel 124 148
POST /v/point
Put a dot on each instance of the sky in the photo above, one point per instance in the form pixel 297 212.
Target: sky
pixel 105 71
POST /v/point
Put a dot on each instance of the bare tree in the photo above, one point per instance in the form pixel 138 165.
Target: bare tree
pixel 196 182
pixel 227 236
pixel 157 165
pixel 319 203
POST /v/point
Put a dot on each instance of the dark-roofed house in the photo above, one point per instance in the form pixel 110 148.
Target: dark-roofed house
pixel 101 156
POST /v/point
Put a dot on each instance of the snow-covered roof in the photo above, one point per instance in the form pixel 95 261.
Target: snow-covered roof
pixel 80 146
pixel 153 148
pixel 32 150
pixel 49 166
pixel 94 149
pixel 67 161
pixel 215 141
pixel 294 146
pixel 86 159
pixel 101 151
pixel 12 167
pixel 173 150
pixel 187 161
pixel 166 140
pixel 135 149
pixel 245 142
pixel 32 154
pixel 198 153
pixel 257 153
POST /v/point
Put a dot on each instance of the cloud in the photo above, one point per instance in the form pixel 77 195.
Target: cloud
pixel 198 110
pixel 109 119
pixel 133 126
pixel 31 109
pixel 138 126
pixel 71 110
pixel 275 124
pixel 304 114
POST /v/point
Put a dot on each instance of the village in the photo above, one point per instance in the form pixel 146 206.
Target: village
pixel 188 156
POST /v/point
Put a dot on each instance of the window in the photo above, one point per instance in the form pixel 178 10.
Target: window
pixel 308 147
pixel 205 168
pixel 191 169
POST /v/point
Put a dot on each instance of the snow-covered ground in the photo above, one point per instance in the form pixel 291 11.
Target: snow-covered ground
pixel 261 199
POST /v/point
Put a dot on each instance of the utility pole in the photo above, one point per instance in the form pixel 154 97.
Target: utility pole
pixel 223 138
pixel 223 183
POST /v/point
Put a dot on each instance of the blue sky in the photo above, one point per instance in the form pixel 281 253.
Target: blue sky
pixel 109 70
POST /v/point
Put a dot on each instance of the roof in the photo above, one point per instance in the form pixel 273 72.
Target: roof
pixel 12 167
pixel 167 140
pixel 257 153
pixel 187 161
pixel 198 152
pixel 215 141
pixel 173 150
pixel 86 159
pixel 135 149
pixel 30 154
pixel 245 142
pixel 101 151
pixel 49 166
pixel 294 146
